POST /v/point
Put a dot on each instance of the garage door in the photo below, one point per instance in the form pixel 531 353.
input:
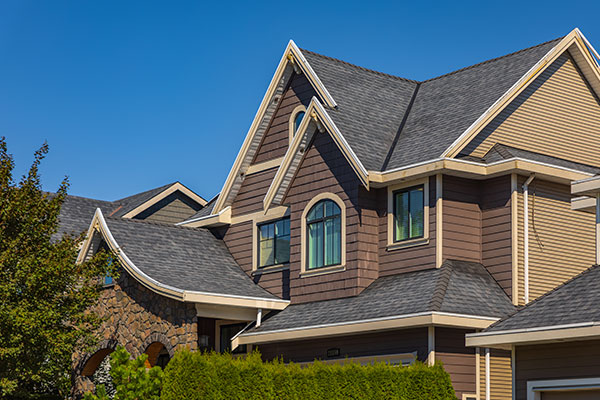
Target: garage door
pixel 572 395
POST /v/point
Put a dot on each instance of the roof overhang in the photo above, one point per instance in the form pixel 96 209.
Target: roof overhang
pixel 546 334
pixel 99 226
pixel 474 170
pixel 584 55
pixel 291 61
pixel 366 326
pixel 319 121
pixel 587 191
pixel 158 197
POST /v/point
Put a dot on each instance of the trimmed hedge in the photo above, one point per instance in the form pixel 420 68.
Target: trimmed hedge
pixel 194 375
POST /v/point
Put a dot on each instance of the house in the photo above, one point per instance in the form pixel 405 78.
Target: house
pixel 373 217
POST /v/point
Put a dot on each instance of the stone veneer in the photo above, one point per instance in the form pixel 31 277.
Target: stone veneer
pixel 136 317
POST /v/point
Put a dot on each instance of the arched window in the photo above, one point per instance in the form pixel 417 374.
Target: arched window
pixel 324 235
pixel 298 120
pixel 295 120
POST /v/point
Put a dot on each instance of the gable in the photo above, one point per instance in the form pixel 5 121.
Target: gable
pixel 276 139
pixel 174 208
pixel 558 115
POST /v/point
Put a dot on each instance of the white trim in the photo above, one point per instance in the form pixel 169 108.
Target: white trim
pixel 292 123
pixel 99 224
pixel 536 388
pixel 431 345
pixel 177 186
pixel 487 373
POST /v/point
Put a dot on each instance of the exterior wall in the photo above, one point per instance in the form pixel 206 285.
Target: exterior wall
pixel 459 361
pixel 557 115
pixel 500 375
pixel 382 343
pixel 412 258
pixel 276 139
pixel 561 241
pixel 252 192
pixel 496 239
pixel 135 318
pixel 238 239
pixel 569 360
pixel 324 169
pixel 461 219
pixel 172 209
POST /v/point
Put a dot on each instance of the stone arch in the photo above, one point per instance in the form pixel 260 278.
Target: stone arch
pixel 91 361
pixel 157 347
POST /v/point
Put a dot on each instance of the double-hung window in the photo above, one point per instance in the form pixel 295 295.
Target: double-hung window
pixel 324 232
pixel 274 243
pixel 409 215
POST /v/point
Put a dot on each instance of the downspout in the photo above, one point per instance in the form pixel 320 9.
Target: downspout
pixel 597 228
pixel 487 373
pixel 526 236
pixel 258 317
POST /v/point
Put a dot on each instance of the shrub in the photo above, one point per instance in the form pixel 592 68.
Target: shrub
pixel 214 376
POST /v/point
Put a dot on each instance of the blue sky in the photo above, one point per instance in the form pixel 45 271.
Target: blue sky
pixel 132 95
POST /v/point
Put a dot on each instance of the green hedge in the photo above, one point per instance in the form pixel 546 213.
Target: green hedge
pixel 194 375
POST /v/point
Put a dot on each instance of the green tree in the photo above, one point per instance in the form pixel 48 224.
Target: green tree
pixel 131 378
pixel 45 296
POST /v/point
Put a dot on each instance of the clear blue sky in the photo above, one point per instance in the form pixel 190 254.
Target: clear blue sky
pixel 132 95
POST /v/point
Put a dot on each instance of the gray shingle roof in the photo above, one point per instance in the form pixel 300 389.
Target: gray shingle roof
pixel 206 210
pixel 76 214
pixel 576 301
pixel 457 287
pixel 372 106
pixel 184 258
pixel 127 204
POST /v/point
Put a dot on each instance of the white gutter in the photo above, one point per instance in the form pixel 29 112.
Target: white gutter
pixel 526 235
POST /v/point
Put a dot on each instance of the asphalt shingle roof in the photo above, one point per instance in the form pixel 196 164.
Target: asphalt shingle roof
pixel 373 106
pixel 127 204
pixel 76 214
pixel 576 301
pixel 457 287
pixel 184 258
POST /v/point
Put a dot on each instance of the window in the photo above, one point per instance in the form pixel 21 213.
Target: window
pixel 274 243
pixel 227 333
pixel 409 216
pixel 324 233
pixel 298 120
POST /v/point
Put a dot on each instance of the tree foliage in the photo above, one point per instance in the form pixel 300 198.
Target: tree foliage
pixel 131 378
pixel 45 296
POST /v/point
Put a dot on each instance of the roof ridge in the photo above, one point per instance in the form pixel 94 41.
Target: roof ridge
pixel 492 60
pixel 361 68
pixel 81 197
pixel 441 286
pixel 146 191
pixel 527 306
pixel 162 224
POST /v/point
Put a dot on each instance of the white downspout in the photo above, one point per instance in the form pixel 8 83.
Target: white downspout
pixel 487 374
pixel 526 235
pixel 598 228
pixel 258 317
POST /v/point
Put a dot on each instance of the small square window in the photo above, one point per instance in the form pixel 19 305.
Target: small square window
pixel 274 243
pixel 409 216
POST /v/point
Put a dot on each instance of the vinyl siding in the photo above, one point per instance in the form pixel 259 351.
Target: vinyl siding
pixel 276 139
pixel 500 375
pixel 324 169
pixel 174 208
pixel 558 115
pixel 417 258
pixel 459 361
pixel 561 241
pixel 571 360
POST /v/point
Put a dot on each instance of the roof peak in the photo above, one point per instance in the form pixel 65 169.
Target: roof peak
pixel 434 78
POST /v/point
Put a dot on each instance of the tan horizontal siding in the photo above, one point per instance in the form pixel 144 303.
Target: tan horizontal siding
pixel 276 139
pixel 558 115
pixel 561 241
pixel 500 375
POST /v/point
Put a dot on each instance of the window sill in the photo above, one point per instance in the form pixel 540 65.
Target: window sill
pixel 270 269
pixel 407 243
pixel 322 271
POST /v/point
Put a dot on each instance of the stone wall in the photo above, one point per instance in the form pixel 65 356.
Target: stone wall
pixel 136 317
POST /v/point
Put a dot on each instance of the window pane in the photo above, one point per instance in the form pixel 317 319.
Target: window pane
pixel 282 227
pixel 333 241
pixel 298 120
pixel 316 212
pixel 227 333
pixel 315 245
pixel 401 221
pixel 282 248
pixel 416 213
pixel 266 231
pixel 267 257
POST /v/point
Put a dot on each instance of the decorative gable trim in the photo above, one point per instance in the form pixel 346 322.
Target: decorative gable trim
pixel 292 61
pixel 316 120
pixel 171 189
pixel 99 226
pixel 584 55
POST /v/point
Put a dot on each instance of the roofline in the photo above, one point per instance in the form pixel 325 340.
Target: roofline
pixel 428 318
pixel 293 55
pixel 574 37
pixel 161 195
pixel 99 225
pixel 319 116
pixel 475 169
pixel 538 335
pixel 223 217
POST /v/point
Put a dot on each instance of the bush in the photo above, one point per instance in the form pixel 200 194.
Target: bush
pixel 203 376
